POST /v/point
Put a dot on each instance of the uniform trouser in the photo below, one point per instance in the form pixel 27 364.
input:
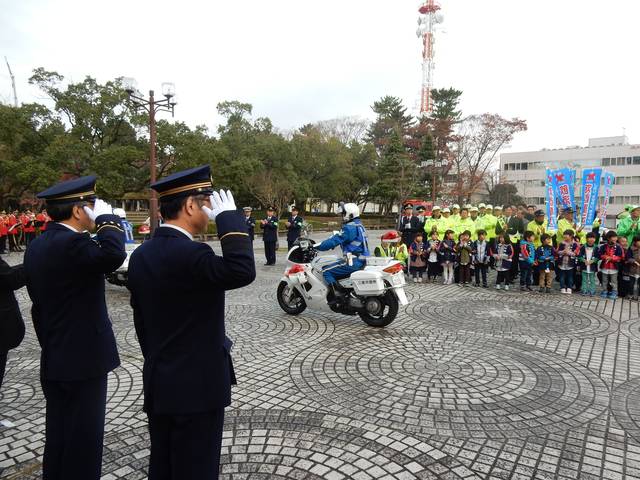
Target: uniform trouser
pixel 334 272
pixel 481 270
pixel 185 447
pixel 74 429
pixel 588 282
pixel 270 252
pixel 3 244
pixel 13 243
pixel 3 364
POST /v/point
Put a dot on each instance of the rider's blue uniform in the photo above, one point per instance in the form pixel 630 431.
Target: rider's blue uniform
pixel 352 239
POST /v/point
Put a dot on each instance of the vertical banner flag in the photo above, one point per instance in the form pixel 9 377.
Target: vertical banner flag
pixel 572 192
pixel 564 187
pixel 552 210
pixel 608 187
pixel 590 189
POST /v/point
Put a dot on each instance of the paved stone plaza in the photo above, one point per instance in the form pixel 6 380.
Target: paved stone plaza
pixel 466 383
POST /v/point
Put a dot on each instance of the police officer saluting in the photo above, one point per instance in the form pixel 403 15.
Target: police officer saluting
pixel 177 294
pixel 294 226
pixel 65 278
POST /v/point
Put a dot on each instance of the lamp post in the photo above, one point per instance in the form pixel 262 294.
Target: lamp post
pixel 152 106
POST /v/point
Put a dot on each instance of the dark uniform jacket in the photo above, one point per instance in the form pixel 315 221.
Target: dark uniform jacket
pixel 408 227
pixel 270 229
pixel 293 232
pixel 65 272
pixel 251 226
pixel 177 294
pixel 11 323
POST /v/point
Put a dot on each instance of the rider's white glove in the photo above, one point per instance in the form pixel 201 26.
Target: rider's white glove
pixel 220 202
pixel 99 208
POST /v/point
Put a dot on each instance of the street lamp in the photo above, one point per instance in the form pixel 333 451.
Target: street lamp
pixel 151 106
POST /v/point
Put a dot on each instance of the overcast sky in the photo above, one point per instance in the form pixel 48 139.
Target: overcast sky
pixel 569 67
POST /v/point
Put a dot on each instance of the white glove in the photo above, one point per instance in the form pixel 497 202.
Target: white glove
pixel 220 202
pixel 99 208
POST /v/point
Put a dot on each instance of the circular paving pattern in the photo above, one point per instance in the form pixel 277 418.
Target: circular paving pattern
pixel 625 404
pixel 631 329
pixel 283 445
pixel 445 385
pixel 511 317
pixel 261 333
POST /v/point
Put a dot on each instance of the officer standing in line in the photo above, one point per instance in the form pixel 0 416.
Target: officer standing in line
pixel 269 228
pixel 409 225
pixel 65 278
pixel 421 210
pixel 178 294
pixel 250 222
pixel 294 226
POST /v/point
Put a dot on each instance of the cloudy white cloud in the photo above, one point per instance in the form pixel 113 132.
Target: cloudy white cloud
pixel 568 66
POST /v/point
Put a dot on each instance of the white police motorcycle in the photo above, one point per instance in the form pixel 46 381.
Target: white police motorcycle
pixel 373 293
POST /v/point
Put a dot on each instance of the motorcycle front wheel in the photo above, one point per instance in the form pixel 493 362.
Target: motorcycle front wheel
pixel 290 299
pixel 383 315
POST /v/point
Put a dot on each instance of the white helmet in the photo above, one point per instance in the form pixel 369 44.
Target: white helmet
pixel 120 212
pixel 350 211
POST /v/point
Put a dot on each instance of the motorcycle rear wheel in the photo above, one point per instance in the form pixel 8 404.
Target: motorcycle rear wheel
pixel 295 305
pixel 388 314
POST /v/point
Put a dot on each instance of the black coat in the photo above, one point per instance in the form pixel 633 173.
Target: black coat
pixel 515 225
pixel 251 226
pixel 11 323
pixel 178 294
pixel 270 229
pixel 293 232
pixel 408 228
pixel 65 272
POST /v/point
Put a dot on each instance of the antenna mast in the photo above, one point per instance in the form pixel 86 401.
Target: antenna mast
pixel 13 83
pixel 427 21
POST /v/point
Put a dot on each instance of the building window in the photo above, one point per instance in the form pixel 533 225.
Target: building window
pixel 636 160
pixel 606 162
pixel 629 160
pixel 620 161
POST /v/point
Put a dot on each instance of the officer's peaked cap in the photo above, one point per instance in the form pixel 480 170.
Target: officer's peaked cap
pixel 71 191
pixel 195 181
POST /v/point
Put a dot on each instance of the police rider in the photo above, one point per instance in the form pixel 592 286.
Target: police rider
pixel 355 245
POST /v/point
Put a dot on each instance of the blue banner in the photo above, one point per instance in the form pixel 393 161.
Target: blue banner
pixel 552 204
pixel 564 187
pixel 572 192
pixel 609 179
pixel 590 190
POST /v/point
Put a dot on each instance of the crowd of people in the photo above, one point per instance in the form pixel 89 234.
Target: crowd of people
pixel 463 244
pixel 19 229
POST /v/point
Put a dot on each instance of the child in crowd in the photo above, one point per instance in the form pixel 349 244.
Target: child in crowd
pixel 464 252
pixel 633 269
pixel 526 258
pixel 545 258
pixel 481 256
pixel 623 277
pixel 588 262
pixel 610 254
pixel 447 256
pixel 418 258
pixel 433 266
pixel 502 253
pixel 568 252
pixel 387 247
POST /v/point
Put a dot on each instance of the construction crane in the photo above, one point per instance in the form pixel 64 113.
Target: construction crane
pixel 13 84
pixel 428 19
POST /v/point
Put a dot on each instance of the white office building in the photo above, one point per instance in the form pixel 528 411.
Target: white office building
pixel 526 170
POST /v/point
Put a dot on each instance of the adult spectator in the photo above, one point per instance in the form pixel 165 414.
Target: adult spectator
pixel 629 227
pixel 294 227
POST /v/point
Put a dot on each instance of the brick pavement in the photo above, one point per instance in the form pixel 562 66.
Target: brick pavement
pixel 466 383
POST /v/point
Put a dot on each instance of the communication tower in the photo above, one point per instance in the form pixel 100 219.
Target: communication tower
pixel 428 19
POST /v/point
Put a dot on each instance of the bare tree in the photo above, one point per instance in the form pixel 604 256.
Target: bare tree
pixel 270 188
pixel 345 129
pixel 479 139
